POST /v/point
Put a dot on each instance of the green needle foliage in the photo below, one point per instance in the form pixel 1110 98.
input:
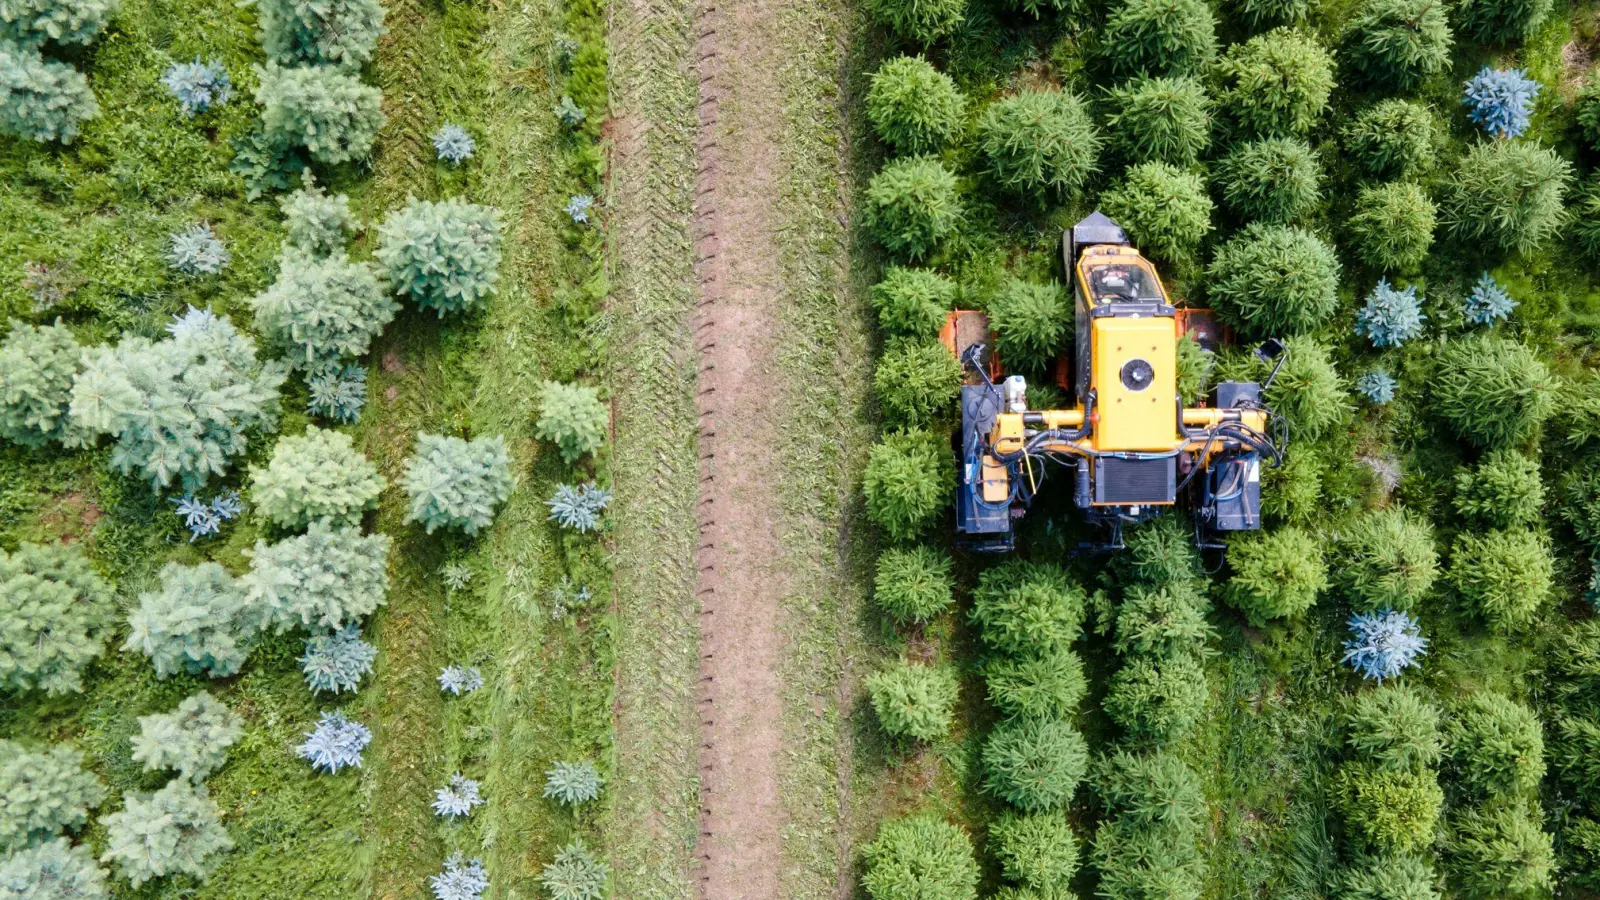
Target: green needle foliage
pixel 917 383
pixel 1393 876
pixel 1501 21
pixel 1292 492
pixel 1165 210
pixel 1157 701
pixel 1195 365
pixel 907 482
pixel 33 23
pixel 1497 745
pixel 1034 765
pixel 316 476
pixel 573 784
pixel 1159 120
pixel 1272 280
pixel 919 21
pixel 1276 180
pixel 1393 226
pixel 453 483
pixel 1504 575
pixel 1159 554
pixel 1388 811
pixel 913 700
pixel 324 579
pixel 1026 608
pixel 1161 622
pixel 1151 789
pixel 324 109
pixel 1159 37
pixel 1276 84
pixel 176 830
pixel 1276 574
pixel 178 409
pixel 341 33
pixel 1588 110
pixel 37 366
pixel 1500 852
pixel 573 417
pixel 912 205
pixel 1047 685
pixel 314 223
pixel 1492 391
pixel 42 100
pixel 914 107
pixel 445 256
pixel 1309 392
pixel 1386 560
pixel 914 584
pixel 1507 195
pixel 1394 729
pixel 322 310
pixel 192 739
pixel 1503 491
pixel 1398 43
pixel 43 792
pixel 911 303
pixel 55 614
pixel 920 858
pixel 1029 321
pixel 54 870
pixel 1143 862
pixel 1039 142
pixel 1038 851
pixel 1258 13
pixel 1583 217
pixel 1392 139
pixel 198 622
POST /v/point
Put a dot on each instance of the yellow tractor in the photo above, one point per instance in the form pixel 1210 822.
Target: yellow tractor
pixel 1134 446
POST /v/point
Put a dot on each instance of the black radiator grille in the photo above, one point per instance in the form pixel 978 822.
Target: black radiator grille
pixel 1135 480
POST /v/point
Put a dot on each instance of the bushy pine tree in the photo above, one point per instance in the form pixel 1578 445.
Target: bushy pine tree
pixel 917 383
pixel 32 23
pixel 1276 84
pixel 1388 810
pixel 1309 392
pixel 1159 553
pixel 1037 851
pixel 907 481
pixel 1257 13
pixel 199 621
pixel 324 109
pixel 912 303
pixel 53 870
pixel 1029 321
pixel 445 256
pixel 1162 621
pixel 1164 209
pixel 1500 852
pixel 1392 139
pixel 192 739
pixel 1039 142
pixel 1025 608
pixel 1390 876
pixel 1504 575
pixel 1398 43
pixel 1393 225
pixel 323 311
pixel 454 483
pixel 1507 195
pixel 1273 280
pixel 914 700
pixel 1275 180
pixel 1159 37
pixel 1503 491
pixel 914 584
pixel 1497 745
pixel 176 830
pixel 315 223
pixel 914 107
pixel 920 858
pixel 42 100
pixel 1157 701
pixel 1492 391
pixel 1035 765
pixel 1386 560
pixel 1143 862
pixel 316 476
pixel 912 205
pixel 1394 729
pixel 1276 574
pixel 1159 120
pixel 326 578
pixel 1501 21
pixel 1151 789
pixel 178 409
pixel 573 784
pixel 919 22
pixel 55 613
pixel 37 366
pixel 43 792
pixel 573 418
pixel 341 33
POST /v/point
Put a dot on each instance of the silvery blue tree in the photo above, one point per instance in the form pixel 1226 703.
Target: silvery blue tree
pixel 197 86
pixel 458 798
pixel 1383 644
pixel 196 250
pixel 462 879
pixel 1488 302
pixel 460 680
pixel 578 507
pixel 1377 386
pixel 1501 101
pixel 338 393
pixel 453 144
pixel 336 743
pixel 1391 317
pixel 336 661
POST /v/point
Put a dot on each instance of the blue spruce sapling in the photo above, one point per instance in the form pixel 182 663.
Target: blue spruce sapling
pixel 578 507
pixel 1488 302
pixel 192 739
pixel 336 661
pixel 572 783
pixel 458 798
pixel 196 250
pixel 1391 317
pixel 1501 101
pixel 458 680
pixel 1383 644
pixel 197 86
pixel 453 144
pixel 1377 386
pixel 462 879
pixel 338 393
pixel 336 743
